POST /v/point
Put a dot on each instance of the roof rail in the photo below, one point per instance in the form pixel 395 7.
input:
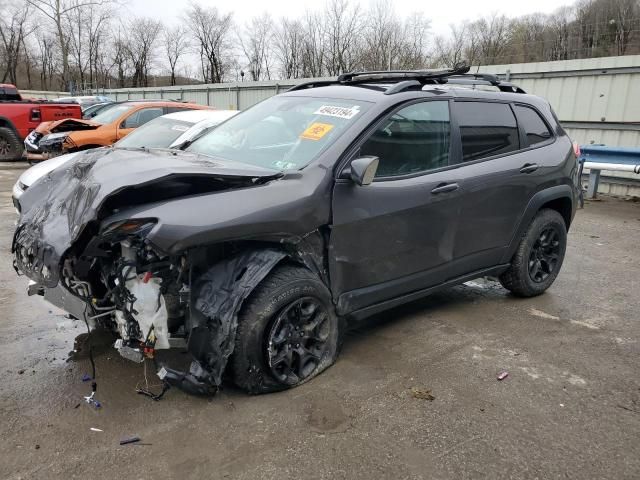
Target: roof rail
pixel 398 75
pixel 483 79
pixel 404 80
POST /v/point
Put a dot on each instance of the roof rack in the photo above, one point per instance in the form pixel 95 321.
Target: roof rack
pixel 403 80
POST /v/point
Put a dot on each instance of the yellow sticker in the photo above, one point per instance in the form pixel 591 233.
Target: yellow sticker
pixel 316 131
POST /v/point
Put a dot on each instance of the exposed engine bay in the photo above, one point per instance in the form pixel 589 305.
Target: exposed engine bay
pixel 152 302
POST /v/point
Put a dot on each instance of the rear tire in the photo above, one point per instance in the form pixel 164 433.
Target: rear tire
pixel 287 332
pixel 539 256
pixel 10 146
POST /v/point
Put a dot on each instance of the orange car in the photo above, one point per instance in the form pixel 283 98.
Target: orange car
pixel 70 135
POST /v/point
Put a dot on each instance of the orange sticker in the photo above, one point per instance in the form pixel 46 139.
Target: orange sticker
pixel 316 131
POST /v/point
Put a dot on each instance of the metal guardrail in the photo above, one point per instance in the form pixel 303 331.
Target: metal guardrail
pixel 600 157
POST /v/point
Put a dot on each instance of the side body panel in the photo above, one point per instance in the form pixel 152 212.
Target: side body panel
pixel 18 114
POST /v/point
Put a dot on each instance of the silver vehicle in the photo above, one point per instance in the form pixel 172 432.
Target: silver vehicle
pixel 175 130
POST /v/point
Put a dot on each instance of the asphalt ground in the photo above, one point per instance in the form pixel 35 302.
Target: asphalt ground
pixel 569 408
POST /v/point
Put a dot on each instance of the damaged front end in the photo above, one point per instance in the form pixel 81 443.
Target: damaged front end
pixel 53 139
pixel 107 272
pixel 153 303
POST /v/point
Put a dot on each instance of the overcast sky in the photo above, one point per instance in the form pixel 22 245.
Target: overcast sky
pixel 441 13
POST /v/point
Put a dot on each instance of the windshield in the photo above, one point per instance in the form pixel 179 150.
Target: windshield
pixel 158 133
pixel 111 115
pixel 281 133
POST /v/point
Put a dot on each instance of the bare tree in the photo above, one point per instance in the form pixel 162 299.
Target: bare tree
pixel 382 37
pixel 491 36
pixel 313 53
pixel 256 42
pixel 625 18
pixel 120 56
pixel 210 29
pixel 454 49
pixel 58 11
pixel 342 28
pixel 175 43
pixel 414 39
pixel 142 33
pixel 13 31
pixel 288 47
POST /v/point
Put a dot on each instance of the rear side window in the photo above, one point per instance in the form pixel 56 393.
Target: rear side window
pixel 534 127
pixel 178 109
pixel 9 93
pixel 414 139
pixel 486 129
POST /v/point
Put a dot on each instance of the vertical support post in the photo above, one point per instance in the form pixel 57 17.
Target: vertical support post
pixel 237 97
pixel 594 180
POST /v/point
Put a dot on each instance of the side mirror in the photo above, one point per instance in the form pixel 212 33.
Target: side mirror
pixel 363 169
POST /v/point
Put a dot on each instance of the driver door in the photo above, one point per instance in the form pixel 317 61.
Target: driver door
pixel 397 234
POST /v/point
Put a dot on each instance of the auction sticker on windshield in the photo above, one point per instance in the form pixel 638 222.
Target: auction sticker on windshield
pixel 341 112
pixel 316 131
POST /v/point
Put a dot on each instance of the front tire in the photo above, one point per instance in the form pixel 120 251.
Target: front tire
pixel 287 332
pixel 539 256
pixel 10 146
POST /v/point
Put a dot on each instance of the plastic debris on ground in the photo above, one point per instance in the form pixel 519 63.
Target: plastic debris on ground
pixel 128 440
pixel 502 375
pixel 422 394
pixel 92 401
pixel 96 429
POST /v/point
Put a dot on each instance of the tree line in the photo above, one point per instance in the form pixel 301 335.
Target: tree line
pixel 85 45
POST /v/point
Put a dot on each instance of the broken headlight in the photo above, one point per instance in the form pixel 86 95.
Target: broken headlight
pixel 125 228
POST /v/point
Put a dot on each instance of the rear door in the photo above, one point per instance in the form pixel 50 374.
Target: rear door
pixel 397 234
pixel 498 173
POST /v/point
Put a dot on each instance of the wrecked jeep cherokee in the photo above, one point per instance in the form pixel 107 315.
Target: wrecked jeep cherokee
pixel 330 202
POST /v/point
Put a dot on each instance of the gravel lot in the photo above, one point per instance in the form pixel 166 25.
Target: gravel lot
pixel 570 407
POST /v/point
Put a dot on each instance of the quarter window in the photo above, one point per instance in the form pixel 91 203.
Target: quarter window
pixel 534 127
pixel 486 129
pixel 414 139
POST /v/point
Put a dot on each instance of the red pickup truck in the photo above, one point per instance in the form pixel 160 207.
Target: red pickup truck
pixel 18 117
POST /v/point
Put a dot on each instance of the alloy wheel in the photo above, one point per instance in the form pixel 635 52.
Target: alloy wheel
pixel 5 147
pixel 545 254
pixel 298 340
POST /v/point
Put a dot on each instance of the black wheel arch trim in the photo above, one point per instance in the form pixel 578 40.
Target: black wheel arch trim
pixel 6 123
pixel 533 207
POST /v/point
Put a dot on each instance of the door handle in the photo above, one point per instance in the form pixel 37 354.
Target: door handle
pixel 529 168
pixel 444 188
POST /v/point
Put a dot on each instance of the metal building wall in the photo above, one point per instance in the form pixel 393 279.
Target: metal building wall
pixel 40 94
pixel 597 100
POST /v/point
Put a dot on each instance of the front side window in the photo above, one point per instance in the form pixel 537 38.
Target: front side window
pixel 143 116
pixel 414 139
pixel 281 133
pixel 534 127
pixel 486 129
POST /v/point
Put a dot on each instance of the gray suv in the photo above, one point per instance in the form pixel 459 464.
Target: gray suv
pixel 255 247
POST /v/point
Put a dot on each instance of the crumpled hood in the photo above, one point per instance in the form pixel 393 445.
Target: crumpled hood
pixel 66 125
pixel 56 209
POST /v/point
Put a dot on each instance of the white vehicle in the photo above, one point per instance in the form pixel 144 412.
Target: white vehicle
pixel 175 130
